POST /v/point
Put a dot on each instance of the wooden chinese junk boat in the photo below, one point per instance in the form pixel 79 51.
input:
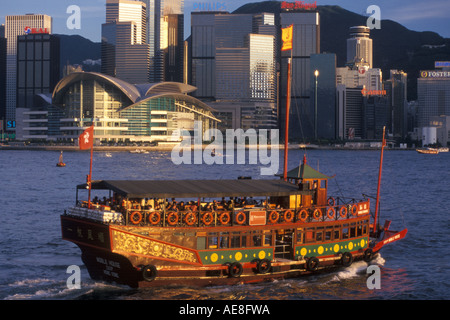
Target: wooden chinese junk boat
pixel 214 232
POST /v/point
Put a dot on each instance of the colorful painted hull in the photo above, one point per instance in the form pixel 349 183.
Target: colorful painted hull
pixel 143 256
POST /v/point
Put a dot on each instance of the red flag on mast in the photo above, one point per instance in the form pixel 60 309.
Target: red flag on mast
pixel 86 139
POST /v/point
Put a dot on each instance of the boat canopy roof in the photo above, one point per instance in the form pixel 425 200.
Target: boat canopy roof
pixel 305 172
pixel 197 188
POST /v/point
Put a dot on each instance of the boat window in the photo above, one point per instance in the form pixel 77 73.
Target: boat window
pixel 319 236
pixel 212 240
pixel 267 238
pixel 300 235
pixel 365 226
pixel 345 231
pixel 244 236
pixel 223 240
pixel 359 230
pixel 328 233
pixel 352 232
pixel 337 232
pixel 256 238
pixel 235 240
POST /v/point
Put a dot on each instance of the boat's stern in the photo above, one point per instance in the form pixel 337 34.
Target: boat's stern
pixel 94 240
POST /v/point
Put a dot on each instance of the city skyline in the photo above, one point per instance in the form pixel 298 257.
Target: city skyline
pixel 415 15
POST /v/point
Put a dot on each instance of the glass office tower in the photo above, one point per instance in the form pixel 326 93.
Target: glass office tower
pixel 433 95
pixel 16 26
pixel 233 60
pixel 165 36
pixel 306 41
pixel 125 54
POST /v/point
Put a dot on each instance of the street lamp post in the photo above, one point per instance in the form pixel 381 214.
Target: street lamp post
pixel 316 74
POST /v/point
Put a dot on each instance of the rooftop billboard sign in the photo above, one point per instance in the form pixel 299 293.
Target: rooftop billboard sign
pixel 298 5
pixel 442 64
pixel 434 74
pixel 29 30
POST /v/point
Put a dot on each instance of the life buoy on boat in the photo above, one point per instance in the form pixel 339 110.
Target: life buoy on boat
pixel 240 217
pixel 136 217
pixel 154 217
pixel 288 216
pixel 346 259
pixel 343 212
pixel 235 270
pixel 172 218
pixel 330 213
pixel 207 218
pixel 224 218
pixel 354 210
pixel 312 264
pixel 331 201
pixel 190 218
pixel 149 272
pixel 303 215
pixel 274 216
pixel 317 214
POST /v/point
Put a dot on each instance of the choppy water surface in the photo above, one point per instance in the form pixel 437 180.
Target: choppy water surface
pixel 415 194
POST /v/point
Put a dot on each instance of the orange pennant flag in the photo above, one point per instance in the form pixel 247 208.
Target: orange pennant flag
pixel 286 36
pixel 86 139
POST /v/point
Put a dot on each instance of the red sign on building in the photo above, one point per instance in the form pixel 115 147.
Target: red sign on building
pixel 29 30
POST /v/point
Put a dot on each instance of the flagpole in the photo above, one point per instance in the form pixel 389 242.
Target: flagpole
pixel 90 175
pixel 286 134
pixel 86 141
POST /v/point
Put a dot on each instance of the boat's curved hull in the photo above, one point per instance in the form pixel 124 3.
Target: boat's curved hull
pixel 116 268
pixel 123 255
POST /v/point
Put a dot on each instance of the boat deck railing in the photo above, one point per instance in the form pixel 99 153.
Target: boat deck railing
pixel 249 215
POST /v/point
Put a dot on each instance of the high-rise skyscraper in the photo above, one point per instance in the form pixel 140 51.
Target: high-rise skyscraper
pixel 306 41
pixel 15 26
pixel 353 82
pixel 165 36
pixel 2 78
pixel 234 63
pixel 396 88
pixel 125 53
pixel 38 61
pixel 433 95
pixel 173 50
pixel 359 47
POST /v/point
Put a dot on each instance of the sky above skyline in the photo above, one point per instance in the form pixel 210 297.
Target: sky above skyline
pixel 417 15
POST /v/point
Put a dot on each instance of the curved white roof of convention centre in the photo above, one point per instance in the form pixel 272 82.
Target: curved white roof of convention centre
pixel 135 92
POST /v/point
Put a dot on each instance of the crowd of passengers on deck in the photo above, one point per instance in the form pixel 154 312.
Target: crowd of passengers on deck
pixel 124 204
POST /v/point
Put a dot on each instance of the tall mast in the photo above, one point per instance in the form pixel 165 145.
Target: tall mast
pixel 288 103
pixel 86 141
pixel 287 35
pixel 383 144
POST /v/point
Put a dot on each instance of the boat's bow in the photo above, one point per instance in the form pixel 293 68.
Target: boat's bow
pixel 387 236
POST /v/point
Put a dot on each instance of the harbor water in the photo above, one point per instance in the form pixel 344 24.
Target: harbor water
pixel 415 194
